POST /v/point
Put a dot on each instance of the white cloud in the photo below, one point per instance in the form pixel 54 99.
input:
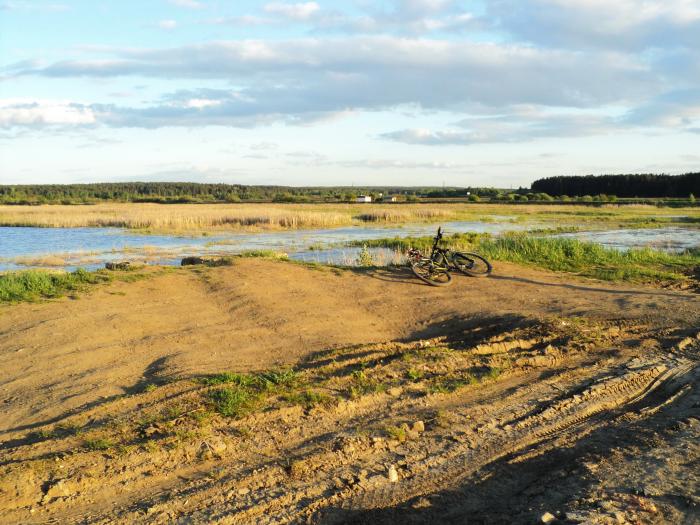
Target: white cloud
pixel 300 11
pixel 520 124
pixel 167 24
pixel 200 103
pixel 188 4
pixel 28 112
pixel 382 71
pixel 620 24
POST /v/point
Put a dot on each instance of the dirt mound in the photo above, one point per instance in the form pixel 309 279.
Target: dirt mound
pixel 499 399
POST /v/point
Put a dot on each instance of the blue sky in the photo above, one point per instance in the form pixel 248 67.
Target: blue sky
pixel 402 92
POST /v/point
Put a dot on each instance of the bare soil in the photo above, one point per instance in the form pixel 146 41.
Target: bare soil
pixel 521 397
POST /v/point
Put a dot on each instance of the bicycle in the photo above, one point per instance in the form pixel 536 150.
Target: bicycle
pixel 435 269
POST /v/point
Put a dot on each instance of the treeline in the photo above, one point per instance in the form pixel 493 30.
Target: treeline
pixel 190 192
pixel 625 186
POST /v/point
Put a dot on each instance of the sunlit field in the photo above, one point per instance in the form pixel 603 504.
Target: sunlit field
pixel 217 217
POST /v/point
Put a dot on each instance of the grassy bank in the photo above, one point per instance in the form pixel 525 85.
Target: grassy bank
pixel 567 255
pixel 195 218
pixel 31 285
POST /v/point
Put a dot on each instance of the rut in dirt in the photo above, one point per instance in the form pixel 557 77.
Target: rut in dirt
pixel 642 389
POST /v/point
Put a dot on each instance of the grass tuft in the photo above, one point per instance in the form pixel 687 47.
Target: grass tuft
pixel 98 444
pixel 31 285
pixel 234 394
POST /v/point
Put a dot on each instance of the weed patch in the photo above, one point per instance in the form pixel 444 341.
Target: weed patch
pixel 362 384
pixel 234 394
pixel 309 399
pixel 98 444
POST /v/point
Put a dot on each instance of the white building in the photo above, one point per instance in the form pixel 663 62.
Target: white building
pixel 364 198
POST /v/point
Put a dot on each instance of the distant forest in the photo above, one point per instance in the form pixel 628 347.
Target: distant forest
pixel 643 186
pixel 590 188
pixel 190 192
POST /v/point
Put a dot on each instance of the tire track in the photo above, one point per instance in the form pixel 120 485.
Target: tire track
pixel 637 388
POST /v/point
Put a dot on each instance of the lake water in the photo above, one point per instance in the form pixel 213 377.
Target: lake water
pixel 90 248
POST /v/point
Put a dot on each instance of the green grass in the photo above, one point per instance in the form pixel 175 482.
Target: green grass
pixel 361 384
pixel 590 259
pixel 566 255
pixel 451 384
pixel 98 444
pixel 264 254
pixel 31 285
pixel 233 401
pixel 310 399
pixel 234 395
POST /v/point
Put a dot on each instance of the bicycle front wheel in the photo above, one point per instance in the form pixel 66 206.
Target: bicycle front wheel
pixel 425 270
pixel 472 264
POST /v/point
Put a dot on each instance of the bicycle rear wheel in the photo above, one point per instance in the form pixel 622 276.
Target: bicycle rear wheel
pixel 426 271
pixel 472 264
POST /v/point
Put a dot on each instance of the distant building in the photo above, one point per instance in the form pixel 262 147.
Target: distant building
pixel 364 198
pixel 389 198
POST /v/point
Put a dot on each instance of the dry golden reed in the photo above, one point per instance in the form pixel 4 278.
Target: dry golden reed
pixel 189 218
pixel 202 217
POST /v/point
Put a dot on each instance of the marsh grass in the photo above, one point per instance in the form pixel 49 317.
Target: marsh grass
pixel 566 255
pixel 264 254
pixel 189 218
pixel 591 259
pixel 31 285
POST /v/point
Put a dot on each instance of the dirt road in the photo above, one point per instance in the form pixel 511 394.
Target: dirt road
pixel 500 399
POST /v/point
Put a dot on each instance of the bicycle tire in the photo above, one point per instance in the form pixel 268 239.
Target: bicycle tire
pixel 472 264
pixel 424 270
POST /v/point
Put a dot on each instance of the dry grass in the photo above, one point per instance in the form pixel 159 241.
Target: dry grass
pixel 217 217
pixel 212 217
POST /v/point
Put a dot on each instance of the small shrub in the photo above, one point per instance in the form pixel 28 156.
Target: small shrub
pixel 362 385
pixel 397 433
pixel 450 384
pixel 232 401
pixel 414 375
pixel 98 444
pixel 494 372
pixel 309 399
pixel 364 258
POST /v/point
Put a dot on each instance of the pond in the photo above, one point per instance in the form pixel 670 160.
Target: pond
pixel 70 248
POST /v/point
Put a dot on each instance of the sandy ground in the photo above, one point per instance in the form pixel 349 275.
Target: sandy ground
pixel 510 449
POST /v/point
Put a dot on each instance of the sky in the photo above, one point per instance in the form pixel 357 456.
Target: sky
pixel 347 92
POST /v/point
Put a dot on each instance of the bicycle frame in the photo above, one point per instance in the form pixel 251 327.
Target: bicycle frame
pixel 445 252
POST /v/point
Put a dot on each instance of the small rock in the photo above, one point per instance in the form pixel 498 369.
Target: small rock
pixel 392 474
pixel 412 435
pixel 58 490
pixel 115 266
pixel 394 391
pixel 189 261
pixel 548 517
pixel 217 446
pixel 418 426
